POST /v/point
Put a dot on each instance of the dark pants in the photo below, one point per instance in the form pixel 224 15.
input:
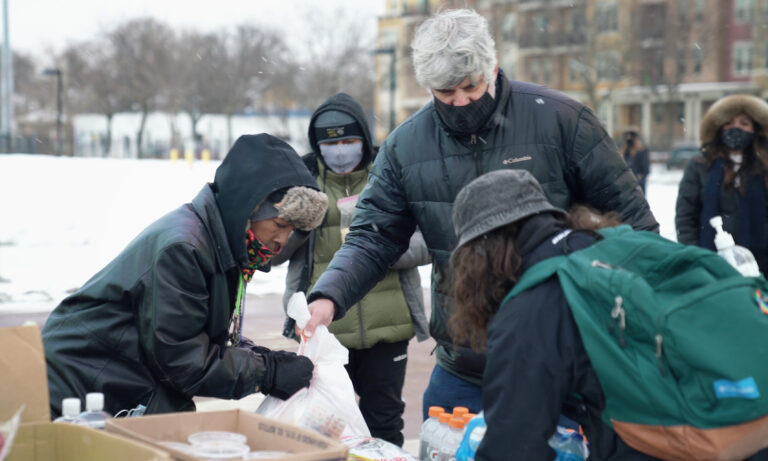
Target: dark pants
pixel 378 375
pixel 448 391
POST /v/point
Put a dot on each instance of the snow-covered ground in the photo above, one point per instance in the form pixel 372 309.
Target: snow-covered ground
pixel 62 219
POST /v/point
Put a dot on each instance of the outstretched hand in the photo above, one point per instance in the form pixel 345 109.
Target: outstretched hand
pixel 322 311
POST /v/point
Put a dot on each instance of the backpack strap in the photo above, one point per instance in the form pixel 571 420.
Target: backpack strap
pixel 536 274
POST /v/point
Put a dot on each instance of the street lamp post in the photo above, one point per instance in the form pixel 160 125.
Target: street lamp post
pixel 57 73
pixel 392 82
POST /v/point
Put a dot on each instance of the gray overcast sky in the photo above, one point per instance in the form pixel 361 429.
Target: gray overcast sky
pixel 39 25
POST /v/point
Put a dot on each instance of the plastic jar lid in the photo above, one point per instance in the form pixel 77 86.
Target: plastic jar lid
pixel 220 450
pixel 217 436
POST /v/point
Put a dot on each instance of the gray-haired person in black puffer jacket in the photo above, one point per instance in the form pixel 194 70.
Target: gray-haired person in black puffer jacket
pixel 478 121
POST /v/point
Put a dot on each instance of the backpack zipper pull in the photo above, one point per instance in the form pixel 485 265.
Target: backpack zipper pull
pixel 659 340
pixel 618 313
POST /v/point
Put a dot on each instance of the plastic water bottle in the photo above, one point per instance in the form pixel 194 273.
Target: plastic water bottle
pixel 737 256
pixel 451 440
pixel 433 447
pixel 70 411
pixel 569 445
pixel 427 428
pixel 474 432
pixel 94 414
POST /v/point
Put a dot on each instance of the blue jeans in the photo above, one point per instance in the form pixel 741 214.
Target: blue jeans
pixel 448 391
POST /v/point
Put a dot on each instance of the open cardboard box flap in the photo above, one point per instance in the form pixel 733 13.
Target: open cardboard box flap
pixel 24 381
pixel 262 433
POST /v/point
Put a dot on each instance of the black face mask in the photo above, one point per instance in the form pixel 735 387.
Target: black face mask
pixel 466 119
pixel 736 138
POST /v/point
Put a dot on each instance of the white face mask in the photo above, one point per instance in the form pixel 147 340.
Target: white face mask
pixel 342 158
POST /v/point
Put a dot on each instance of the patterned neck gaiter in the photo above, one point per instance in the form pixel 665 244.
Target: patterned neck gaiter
pixel 258 255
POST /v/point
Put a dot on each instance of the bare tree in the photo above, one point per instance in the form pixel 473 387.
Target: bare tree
pixel 143 63
pixel 335 58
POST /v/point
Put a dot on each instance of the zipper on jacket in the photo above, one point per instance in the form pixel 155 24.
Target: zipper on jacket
pixel 659 340
pixel 619 313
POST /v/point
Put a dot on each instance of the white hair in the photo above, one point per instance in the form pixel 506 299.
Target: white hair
pixel 451 46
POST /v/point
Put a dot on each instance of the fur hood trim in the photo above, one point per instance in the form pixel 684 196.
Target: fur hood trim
pixel 303 207
pixel 723 110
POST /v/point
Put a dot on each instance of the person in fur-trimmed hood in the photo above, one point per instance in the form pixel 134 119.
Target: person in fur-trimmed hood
pixel 162 322
pixel 729 178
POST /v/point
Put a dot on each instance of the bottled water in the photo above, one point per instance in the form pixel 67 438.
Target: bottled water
pixel 569 445
pixel 427 428
pixel 474 432
pixel 70 411
pixel 451 440
pixel 94 414
pixel 739 257
pixel 433 446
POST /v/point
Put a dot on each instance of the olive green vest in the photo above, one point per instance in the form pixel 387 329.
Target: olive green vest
pixel 382 315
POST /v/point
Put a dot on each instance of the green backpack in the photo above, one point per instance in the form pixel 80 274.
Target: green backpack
pixel 678 339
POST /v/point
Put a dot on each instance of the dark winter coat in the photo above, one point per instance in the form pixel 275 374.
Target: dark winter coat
pixel 394 310
pixel 689 206
pixel 151 328
pixel 539 363
pixel 640 164
pixel 421 166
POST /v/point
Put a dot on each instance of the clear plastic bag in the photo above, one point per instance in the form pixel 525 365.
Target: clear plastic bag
pixel 346 207
pixel 328 405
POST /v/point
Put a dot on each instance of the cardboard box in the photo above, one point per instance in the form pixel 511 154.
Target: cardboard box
pixel 23 381
pixel 262 433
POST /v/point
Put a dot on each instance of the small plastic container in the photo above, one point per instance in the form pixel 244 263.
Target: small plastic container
pixel 70 411
pixel 220 450
pixel 94 414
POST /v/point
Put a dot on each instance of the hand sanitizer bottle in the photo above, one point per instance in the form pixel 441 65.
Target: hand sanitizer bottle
pixel 738 256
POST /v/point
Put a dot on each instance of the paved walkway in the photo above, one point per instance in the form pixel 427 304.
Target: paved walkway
pixel 263 324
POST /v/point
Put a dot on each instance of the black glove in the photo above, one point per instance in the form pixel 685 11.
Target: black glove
pixel 285 373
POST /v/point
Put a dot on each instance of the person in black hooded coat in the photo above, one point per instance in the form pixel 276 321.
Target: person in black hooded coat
pixel 161 323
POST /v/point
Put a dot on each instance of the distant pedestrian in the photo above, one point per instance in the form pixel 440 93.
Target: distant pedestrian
pixel 637 157
pixel 729 178
pixel 162 322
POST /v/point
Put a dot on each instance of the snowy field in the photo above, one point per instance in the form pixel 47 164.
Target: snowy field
pixel 62 219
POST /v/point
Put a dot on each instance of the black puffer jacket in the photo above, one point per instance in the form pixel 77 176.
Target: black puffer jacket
pixel 539 362
pixel 421 166
pixel 151 327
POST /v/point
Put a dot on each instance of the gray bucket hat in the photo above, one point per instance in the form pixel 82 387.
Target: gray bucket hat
pixel 496 199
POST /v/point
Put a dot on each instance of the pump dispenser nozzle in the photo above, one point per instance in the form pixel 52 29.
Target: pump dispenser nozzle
pixel 723 239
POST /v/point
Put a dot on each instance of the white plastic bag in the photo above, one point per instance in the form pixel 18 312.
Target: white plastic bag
pixel 328 405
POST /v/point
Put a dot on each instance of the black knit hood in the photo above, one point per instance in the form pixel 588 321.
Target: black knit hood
pixel 255 167
pixel 347 104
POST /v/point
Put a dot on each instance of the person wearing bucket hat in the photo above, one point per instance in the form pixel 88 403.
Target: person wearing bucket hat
pixel 377 329
pixel 729 178
pixel 505 225
pixel 162 322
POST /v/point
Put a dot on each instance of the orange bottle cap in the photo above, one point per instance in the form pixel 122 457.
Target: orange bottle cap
pixel 436 411
pixel 460 411
pixel 457 423
pixel 445 417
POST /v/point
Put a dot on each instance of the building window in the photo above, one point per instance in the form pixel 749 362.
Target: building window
pixel 547 68
pixel 742 58
pixel 607 65
pixel 682 11
pixel 743 10
pixel 607 17
pixel 699 11
pixel 697 58
pixel 509 28
pixel 533 70
pixel 574 69
pixel 681 64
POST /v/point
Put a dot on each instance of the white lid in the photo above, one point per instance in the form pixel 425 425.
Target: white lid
pixel 723 239
pixel 94 401
pixel 298 310
pixel 70 407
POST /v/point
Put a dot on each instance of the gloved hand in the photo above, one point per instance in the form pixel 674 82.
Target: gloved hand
pixel 285 373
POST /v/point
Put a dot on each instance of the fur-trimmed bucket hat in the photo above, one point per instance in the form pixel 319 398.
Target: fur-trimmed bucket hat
pixel 301 206
pixel 723 110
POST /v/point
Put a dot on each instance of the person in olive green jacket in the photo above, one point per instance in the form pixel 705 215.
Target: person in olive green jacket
pixel 377 329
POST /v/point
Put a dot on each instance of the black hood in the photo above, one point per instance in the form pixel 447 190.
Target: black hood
pixel 256 166
pixel 347 104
